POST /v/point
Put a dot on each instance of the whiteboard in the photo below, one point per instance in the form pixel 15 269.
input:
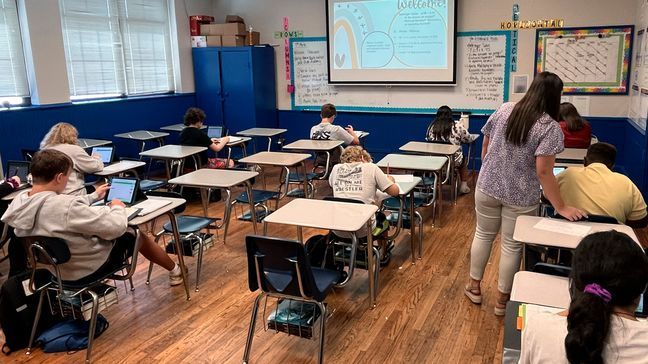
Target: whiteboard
pixel 483 61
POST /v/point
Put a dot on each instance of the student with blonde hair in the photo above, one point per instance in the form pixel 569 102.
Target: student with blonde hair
pixel 64 138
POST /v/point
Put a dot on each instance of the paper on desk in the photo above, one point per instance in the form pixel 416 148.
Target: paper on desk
pixel 403 177
pixel 527 310
pixel 568 228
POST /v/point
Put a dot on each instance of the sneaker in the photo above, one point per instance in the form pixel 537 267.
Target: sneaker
pixel 379 229
pixel 175 276
pixel 464 190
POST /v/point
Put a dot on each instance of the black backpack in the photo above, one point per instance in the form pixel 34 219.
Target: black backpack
pixel 17 313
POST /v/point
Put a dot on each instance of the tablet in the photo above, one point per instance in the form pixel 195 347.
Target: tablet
pixel 641 310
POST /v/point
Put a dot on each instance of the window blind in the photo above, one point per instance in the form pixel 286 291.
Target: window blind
pixel 117 47
pixel 13 74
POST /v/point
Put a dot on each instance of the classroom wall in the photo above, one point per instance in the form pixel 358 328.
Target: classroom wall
pixel 309 16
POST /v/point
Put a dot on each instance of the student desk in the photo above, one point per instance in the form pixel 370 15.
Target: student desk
pixel 407 188
pixel 332 215
pixel 143 136
pixel 262 133
pixel 177 128
pixel 568 165
pixel 446 150
pixel 120 167
pixel 205 179
pixel 280 159
pixel 572 155
pixel 541 289
pixel 173 153
pixel 86 143
pixel 322 146
pixel 526 233
pixel 238 143
pixel 422 163
pixel 168 211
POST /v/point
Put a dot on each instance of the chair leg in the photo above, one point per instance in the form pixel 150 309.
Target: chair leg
pixel 93 324
pixel 148 276
pixel 376 253
pixel 322 308
pixel 420 231
pixel 39 309
pixel 200 259
pixel 130 281
pixel 248 343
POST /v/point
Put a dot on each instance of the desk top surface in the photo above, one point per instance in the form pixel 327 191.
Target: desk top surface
pixel 175 202
pixel 91 143
pixel 177 127
pixel 262 132
pixel 316 145
pixel 413 162
pixel 541 289
pixel 526 232
pixel 172 151
pixel 323 214
pixel 275 158
pixel 430 148
pixel 218 178
pixel 576 154
pixel 119 167
pixel 142 135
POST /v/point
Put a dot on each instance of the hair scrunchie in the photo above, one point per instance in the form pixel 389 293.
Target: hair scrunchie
pixel 596 290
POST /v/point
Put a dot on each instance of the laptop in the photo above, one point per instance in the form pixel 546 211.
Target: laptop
pixel 558 170
pixel 20 169
pixel 217 132
pixel 127 191
pixel 642 310
pixel 106 154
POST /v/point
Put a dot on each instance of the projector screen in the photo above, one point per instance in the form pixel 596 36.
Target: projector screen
pixel 391 41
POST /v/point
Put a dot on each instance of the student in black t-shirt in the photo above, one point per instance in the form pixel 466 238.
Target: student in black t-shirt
pixel 193 136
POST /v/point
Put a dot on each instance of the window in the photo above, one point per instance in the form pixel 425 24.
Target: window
pixel 117 47
pixel 13 75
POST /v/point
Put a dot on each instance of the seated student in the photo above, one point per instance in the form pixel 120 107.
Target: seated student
pixel 88 230
pixel 609 274
pixel 192 135
pixel 327 131
pixel 577 131
pixel 356 177
pixel 444 129
pixel 599 191
pixel 64 137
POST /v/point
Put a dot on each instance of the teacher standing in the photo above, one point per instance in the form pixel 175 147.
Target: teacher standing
pixel 521 141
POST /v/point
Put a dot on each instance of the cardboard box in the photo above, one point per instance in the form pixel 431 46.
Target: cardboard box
pixel 222 29
pixel 255 38
pixel 233 40
pixel 196 20
pixel 214 41
pixel 198 41
pixel 234 19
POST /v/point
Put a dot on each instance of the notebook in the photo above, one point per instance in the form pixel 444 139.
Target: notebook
pixel 106 153
pixel 127 191
pixel 20 169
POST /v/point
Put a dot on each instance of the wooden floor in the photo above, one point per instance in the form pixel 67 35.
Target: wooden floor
pixel 421 317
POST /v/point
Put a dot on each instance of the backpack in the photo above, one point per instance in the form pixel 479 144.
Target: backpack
pixel 17 313
pixel 70 335
pixel 319 251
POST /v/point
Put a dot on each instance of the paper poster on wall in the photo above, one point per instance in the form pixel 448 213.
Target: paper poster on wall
pixel 640 47
pixel 582 104
pixel 644 45
pixel 520 84
pixel 641 121
pixel 593 60
pixel 635 103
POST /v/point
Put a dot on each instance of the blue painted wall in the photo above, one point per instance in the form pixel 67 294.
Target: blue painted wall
pixel 25 127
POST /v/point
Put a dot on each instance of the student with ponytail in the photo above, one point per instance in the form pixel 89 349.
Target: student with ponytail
pixel 609 274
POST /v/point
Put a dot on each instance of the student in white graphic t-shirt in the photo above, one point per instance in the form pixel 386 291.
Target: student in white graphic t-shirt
pixel 356 177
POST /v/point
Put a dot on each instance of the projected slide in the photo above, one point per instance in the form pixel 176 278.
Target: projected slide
pixel 391 42
pixel 390 34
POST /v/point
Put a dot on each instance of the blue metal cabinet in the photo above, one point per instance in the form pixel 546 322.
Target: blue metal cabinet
pixel 236 86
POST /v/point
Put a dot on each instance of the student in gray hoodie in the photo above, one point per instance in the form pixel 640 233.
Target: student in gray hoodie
pixel 88 230
pixel 64 137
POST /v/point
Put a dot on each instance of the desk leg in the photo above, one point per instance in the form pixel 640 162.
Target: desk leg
pixel 412 224
pixel 439 199
pixel 370 267
pixel 269 143
pixel 453 178
pixel 248 187
pixel 305 181
pixel 178 249
pixel 228 213
pixel 300 234
pixel 229 156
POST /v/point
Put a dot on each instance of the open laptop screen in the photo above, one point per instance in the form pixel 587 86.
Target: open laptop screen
pixel 123 189
pixel 18 168
pixel 557 170
pixel 215 131
pixel 106 153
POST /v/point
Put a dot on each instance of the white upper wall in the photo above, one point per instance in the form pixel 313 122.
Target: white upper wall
pixel 310 16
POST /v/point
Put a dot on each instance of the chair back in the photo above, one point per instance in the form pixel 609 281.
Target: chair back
pixel 46 253
pixel 342 199
pixel 439 142
pixel 280 266
pixel 178 210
